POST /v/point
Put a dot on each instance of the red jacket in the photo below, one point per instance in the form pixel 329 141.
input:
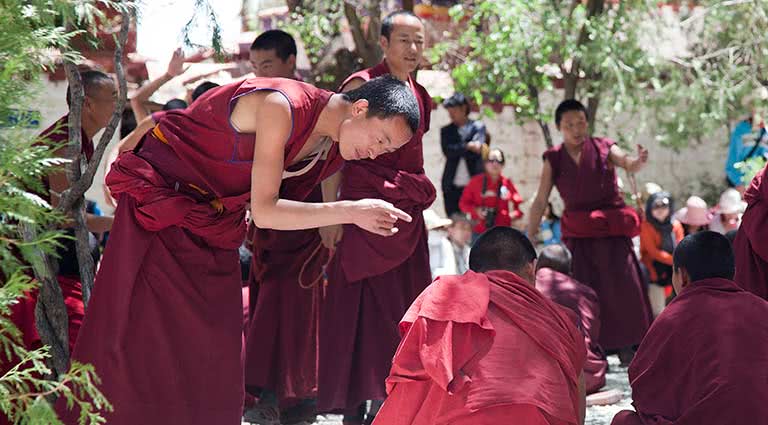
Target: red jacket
pixel 472 198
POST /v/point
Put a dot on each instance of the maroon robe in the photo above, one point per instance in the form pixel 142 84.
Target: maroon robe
pixel 704 360
pixel 373 279
pixel 580 298
pixel 484 348
pixel 164 326
pixel 751 244
pixel 606 263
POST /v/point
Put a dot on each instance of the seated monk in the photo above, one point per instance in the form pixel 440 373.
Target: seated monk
pixel 705 358
pixel 554 281
pixel 486 347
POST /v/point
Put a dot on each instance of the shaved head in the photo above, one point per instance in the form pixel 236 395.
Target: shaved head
pixel 556 257
pixel 502 248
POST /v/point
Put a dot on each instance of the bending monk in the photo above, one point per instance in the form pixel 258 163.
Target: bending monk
pixel 705 359
pixel 554 281
pixel 373 280
pixel 486 348
pixel 751 244
pixel 164 326
pixel 597 226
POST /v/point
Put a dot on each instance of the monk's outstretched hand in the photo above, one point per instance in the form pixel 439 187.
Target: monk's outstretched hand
pixel 377 216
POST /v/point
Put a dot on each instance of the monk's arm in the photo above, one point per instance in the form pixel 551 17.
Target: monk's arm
pixel 129 142
pixel 582 398
pixel 269 117
pixel 632 164
pixel 540 202
pixel 331 235
pixel 58 183
pixel 142 95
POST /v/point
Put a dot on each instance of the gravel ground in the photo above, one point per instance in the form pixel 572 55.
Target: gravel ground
pixel 596 415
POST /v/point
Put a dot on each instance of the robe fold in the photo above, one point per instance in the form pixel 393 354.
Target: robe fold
pixel 604 261
pixel 704 360
pixel 373 279
pixel 751 244
pixel 164 326
pixel 583 301
pixel 484 347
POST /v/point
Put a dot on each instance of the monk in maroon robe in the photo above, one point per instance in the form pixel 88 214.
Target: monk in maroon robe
pixel 487 348
pixel 597 226
pixel 554 281
pixel 164 326
pixel 705 359
pixel 751 244
pixel 373 280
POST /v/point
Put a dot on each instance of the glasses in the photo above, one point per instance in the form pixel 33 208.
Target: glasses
pixel 495 161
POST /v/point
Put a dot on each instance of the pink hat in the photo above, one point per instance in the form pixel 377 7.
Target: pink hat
pixel 695 212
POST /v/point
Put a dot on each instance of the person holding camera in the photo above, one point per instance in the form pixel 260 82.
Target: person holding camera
pixel 490 198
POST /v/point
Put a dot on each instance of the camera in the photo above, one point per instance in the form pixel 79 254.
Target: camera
pixel 490 217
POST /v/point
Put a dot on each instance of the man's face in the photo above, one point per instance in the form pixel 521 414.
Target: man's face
pixel 267 64
pixel 405 46
pixel 100 103
pixel 458 114
pixel 362 137
pixel 574 127
pixel 460 233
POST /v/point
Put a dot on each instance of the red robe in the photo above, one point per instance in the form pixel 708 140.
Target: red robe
pixel 704 360
pixel 373 279
pixel 164 327
pixel 597 227
pixel 751 244
pixel 483 348
pixel 583 301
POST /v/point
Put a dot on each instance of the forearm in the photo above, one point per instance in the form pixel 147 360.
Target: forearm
pixel 330 187
pixel 141 96
pixel 293 215
pixel 534 215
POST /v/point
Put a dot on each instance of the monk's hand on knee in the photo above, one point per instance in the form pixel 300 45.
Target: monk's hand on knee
pixel 377 216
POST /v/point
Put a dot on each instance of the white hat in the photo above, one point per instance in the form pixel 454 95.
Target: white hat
pixel 695 212
pixel 434 221
pixel 731 202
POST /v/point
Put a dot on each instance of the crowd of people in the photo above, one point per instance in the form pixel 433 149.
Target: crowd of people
pixel 273 256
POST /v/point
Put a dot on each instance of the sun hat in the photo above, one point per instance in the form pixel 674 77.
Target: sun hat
pixel 434 221
pixel 731 202
pixel 694 213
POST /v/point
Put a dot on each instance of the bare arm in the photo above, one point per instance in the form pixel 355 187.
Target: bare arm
pixel 141 97
pixel 632 164
pixel 540 202
pixel 134 137
pixel 269 117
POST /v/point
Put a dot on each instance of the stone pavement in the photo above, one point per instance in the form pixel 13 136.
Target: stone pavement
pixel 596 415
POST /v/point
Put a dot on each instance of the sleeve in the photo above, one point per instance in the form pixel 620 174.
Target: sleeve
pixel 453 146
pixel 649 246
pixel 470 199
pixel 516 200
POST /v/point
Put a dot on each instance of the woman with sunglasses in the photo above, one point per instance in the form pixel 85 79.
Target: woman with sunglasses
pixel 488 197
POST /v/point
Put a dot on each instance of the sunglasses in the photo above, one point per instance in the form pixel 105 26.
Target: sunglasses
pixel 495 161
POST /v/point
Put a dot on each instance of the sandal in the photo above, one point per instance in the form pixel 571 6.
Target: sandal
pixel 262 414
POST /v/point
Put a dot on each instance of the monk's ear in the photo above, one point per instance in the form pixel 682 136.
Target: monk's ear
pixel 360 107
pixel 383 42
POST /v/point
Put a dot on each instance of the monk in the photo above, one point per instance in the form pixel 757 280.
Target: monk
pixel 373 280
pixel 705 359
pixel 287 269
pixel 554 281
pixel 597 226
pixel 164 326
pixel 487 348
pixel 751 244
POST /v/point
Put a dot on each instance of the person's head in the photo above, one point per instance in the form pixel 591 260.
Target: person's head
pixel 100 97
pixel 202 88
pixel 549 212
pixel 658 208
pixel 174 104
pixel 402 41
pixel 384 117
pixel 460 230
pixel 273 54
pixel 730 207
pixel 556 257
pixel 703 255
pixel 571 121
pixel 458 108
pixel 494 164
pixel 504 248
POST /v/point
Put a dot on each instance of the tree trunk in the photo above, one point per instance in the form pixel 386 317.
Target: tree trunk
pixel 571 78
pixel 592 104
pixel 546 132
pixel 366 42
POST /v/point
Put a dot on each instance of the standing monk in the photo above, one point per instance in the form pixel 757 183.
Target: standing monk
pixel 281 342
pixel 164 326
pixel 751 244
pixel 597 226
pixel 486 348
pixel 554 281
pixel 373 280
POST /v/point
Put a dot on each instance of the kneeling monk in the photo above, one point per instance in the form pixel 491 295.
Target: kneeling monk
pixel 705 358
pixel 163 328
pixel 486 348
